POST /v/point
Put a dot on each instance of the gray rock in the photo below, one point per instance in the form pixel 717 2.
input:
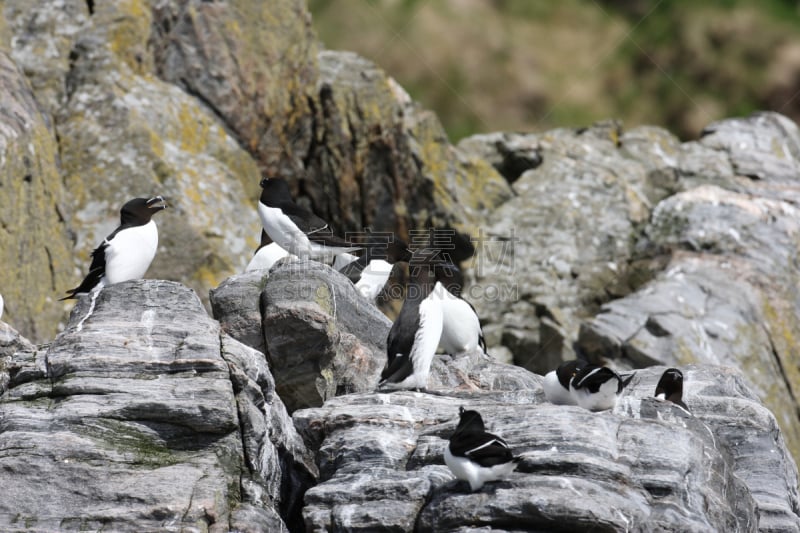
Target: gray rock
pixel 761 146
pixel 144 416
pixel 323 337
pixel 11 342
pixel 550 255
pixel 726 296
pixel 34 241
pixel 236 304
pixel 647 466
pixel 511 154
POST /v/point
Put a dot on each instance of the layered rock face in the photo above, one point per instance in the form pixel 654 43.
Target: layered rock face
pixel 144 416
pixel 648 466
pixel 633 248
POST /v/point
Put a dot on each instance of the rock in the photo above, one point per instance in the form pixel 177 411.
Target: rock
pixel 236 304
pixel 34 243
pixel 511 154
pixel 253 64
pixel 761 146
pixel 196 100
pixel 725 297
pixel 11 342
pixel 647 465
pixel 124 133
pixel 144 416
pixel 552 254
pixel 323 337
pixel 380 161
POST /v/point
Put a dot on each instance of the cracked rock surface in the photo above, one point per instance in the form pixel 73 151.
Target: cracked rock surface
pixel 646 466
pixel 147 418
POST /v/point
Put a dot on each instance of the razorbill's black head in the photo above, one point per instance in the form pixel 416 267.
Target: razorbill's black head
pixel 556 382
pixel 670 387
pixel 450 277
pixel 295 229
pixel 128 251
pixel 596 387
pixel 476 456
pixel 415 334
pixel 461 330
pixel 370 272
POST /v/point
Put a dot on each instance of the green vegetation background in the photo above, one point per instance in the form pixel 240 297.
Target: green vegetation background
pixel 532 65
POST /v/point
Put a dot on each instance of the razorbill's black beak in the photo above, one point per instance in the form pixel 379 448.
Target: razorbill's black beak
pixel 157 203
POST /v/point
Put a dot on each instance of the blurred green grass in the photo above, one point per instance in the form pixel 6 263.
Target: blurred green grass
pixel 532 65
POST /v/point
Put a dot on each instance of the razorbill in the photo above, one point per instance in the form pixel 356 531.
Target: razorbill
pixel 295 229
pixel 596 387
pixel 370 272
pixel 461 329
pixel 556 382
pixel 415 334
pixel 128 251
pixel 476 456
pixel 1 306
pixel 267 254
pixel 670 387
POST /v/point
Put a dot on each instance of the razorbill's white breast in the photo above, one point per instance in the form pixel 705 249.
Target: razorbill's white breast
pixel 415 334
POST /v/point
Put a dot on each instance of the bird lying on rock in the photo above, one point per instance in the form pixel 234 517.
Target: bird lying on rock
pixel 475 456
pixel 596 387
pixel 556 382
pixel 370 272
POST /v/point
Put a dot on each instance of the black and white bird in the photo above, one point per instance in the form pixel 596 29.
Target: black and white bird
pixel 296 230
pixel 596 387
pixel 370 272
pixel 476 456
pixel 267 254
pixel 415 334
pixel 461 329
pixel 128 251
pixel 556 382
pixel 670 387
pixel 1 306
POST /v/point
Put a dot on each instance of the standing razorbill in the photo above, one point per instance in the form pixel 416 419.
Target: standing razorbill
pixel 596 387
pixel 461 329
pixel 670 387
pixel 1 306
pixel 128 251
pixel 370 272
pixel 415 334
pixel 475 456
pixel 295 229
pixel 556 382
pixel 267 254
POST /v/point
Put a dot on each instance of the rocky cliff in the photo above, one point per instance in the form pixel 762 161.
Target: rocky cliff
pixel 145 414
pixel 196 101
pixel 625 247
